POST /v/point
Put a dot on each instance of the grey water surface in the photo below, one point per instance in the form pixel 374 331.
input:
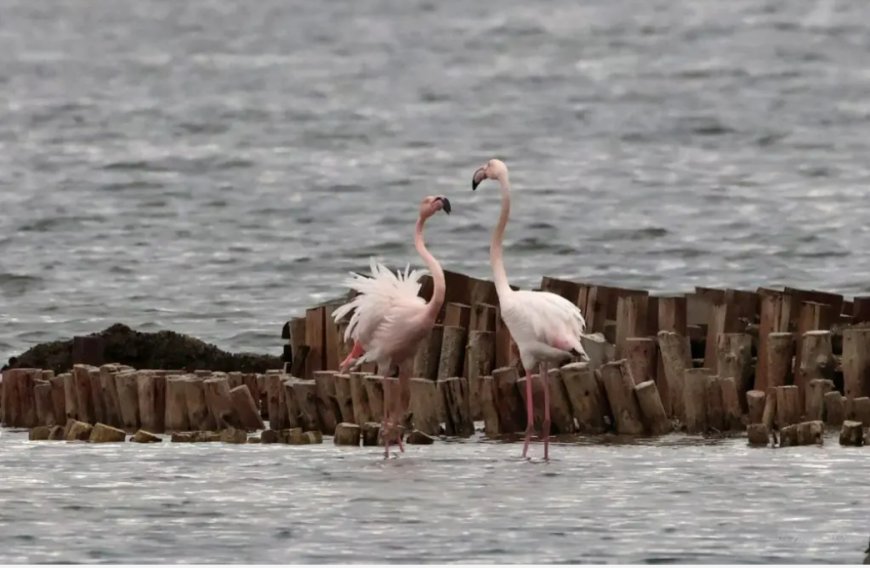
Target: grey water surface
pixel 675 500
pixel 214 167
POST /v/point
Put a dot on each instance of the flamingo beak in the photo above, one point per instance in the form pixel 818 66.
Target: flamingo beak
pixel 479 176
pixel 445 204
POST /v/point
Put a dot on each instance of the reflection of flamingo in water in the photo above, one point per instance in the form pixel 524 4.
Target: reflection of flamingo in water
pixel 389 320
pixel 546 328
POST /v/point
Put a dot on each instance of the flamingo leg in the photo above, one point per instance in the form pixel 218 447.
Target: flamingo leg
pixel 355 352
pixel 385 421
pixel 546 382
pixel 530 413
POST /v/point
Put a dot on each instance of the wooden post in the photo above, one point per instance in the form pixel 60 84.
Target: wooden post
pixel 480 356
pixel 780 354
pixel 127 389
pixel 488 409
pixel 642 356
pixel 722 319
pixel 734 359
pixel 787 406
pixel 731 403
pixel 327 406
pixel 861 309
pixel 424 405
pixel 815 399
pixel 58 400
pixel 344 399
pixel 768 417
pixel 361 411
pixel 375 396
pixel 631 318
pixel 19 402
pixel 332 337
pixel 306 400
pixel 198 415
pixel 755 403
pixel 452 352
pixel 96 393
pixel 44 405
pixel 151 395
pixel 220 403
pixel 856 362
pixel 758 434
pixel 294 414
pixel 715 405
pixel 315 323
pixel 587 397
pixel 835 408
pixel 347 434
pixel 457 315
pixel 245 409
pixel 816 361
pixel 503 342
pixel 774 318
pixel 71 401
pixel 651 407
pixel 672 314
pixel 175 417
pixel 676 357
pixel 619 387
pixel 278 419
pixel 695 399
pixel 852 433
pixel 861 410
pixel 84 401
pixel 511 413
pixel 483 317
pixel 429 354
pixel 455 399
pixel 109 389
pixel 561 417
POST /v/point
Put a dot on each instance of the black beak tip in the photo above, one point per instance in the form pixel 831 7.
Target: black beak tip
pixel 445 204
pixel 474 184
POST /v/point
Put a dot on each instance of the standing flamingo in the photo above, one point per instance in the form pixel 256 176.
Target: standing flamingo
pixel 546 328
pixel 389 320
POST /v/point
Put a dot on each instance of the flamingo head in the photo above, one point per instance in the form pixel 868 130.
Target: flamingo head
pixel 432 204
pixel 494 169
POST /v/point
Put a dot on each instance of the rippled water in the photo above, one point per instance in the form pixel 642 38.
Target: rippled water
pixel 215 167
pixel 676 500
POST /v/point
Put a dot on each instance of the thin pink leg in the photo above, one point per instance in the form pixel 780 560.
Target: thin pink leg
pixel 546 382
pixel 530 413
pixel 355 352
pixel 385 422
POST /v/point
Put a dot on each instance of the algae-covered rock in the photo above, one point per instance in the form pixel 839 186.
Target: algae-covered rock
pixel 76 430
pixel 144 437
pixel 39 433
pixel 101 434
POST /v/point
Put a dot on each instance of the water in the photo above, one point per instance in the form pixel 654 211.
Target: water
pixel 672 501
pixel 216 167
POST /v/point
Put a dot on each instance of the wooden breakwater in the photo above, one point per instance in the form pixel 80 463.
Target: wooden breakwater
pixel 779 364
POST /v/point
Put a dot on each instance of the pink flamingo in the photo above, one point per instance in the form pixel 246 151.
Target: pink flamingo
pixel 546 328
pixel 390 319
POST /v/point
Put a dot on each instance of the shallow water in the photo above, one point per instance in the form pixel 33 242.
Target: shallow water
pixel 215 167
pixel 676 500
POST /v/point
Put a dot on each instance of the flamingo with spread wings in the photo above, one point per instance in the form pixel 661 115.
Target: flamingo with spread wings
pixel 389 320
pixel 546 327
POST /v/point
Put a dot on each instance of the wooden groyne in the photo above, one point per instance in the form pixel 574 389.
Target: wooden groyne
pixel 779 365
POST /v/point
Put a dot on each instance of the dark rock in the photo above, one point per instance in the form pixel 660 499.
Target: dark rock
pixel 418 437
pixel 144 437
pixel 270 437
pixel 142 350
pixel 39 433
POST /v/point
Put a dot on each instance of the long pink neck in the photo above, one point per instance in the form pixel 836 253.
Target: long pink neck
pixel 434 305
pixel 495 248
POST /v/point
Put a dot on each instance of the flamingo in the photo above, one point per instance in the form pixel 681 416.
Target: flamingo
pixel 546 328
pixel 390 319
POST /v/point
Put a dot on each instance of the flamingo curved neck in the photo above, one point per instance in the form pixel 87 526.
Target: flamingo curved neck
pixel 495 248
pixel 439 288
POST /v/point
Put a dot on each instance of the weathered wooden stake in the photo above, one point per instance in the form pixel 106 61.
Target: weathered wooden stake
pixel 619 387
pixel 175 417
pixel 780 353
pixel 44 404
pixel 815 399
pixel 71 401
pixel 198 415
pixel 84 401
pixel 375 396
pixel 508 402
pixel 651 407
pixel 58 399
pixel 109 388
pixel 755 404
pixel 361 411
pixel 731 403
pixel 488 409
pixel 642 356
pixel 151 394
pixel 734 359
pixel 677 357
pixel 768 417
pixel 631 318
pixel 246 409
pixel 306 400
pixel 852 433
pixel 220 403
pixel 856 362
pixel 344 399
pixel 695 399
pixel 787 406
pixel 347 434
pixel 835 408
pixel 274 383
pixel 429 354
pixel 455 399
pixel 715 405
pixel 452 355
pixel 861 410
pixel 587 397
pixel 480 356
pixel 758 434
pixel 424 405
